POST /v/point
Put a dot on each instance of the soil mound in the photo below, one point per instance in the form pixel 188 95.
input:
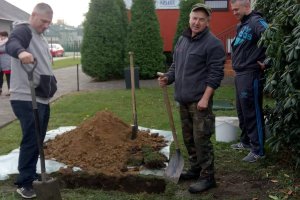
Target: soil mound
pixel 101 144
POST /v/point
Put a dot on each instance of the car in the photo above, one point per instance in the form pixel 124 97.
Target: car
pixel 56 50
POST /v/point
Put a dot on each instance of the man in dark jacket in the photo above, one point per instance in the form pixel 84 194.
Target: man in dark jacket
pixel 197 70
pixel 247 61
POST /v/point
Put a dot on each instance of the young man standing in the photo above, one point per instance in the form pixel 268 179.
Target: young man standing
pixel 247 61
pixel 27 43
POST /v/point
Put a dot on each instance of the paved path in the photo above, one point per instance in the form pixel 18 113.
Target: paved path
pixel 67 83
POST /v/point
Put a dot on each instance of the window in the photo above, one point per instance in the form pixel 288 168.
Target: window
pixel 217 4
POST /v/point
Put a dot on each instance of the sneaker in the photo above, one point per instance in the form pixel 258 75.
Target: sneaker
pixel 189 175
pixel 26 193
pixel 240 146
pixel 202 184
pixel 252 157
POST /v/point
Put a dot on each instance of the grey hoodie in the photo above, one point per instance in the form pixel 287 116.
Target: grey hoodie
pixel 25 38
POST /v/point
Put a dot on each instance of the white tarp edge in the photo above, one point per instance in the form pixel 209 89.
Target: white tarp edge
pixel 9 162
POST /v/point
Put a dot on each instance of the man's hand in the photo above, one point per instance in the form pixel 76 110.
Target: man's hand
pixel 26 58
pixel 262 65
pixel 202 104
pixel 162 79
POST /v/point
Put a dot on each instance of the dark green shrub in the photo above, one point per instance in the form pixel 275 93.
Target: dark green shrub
pixel 185 7
pixel 123 30
pixel 282 40
pixel 144 39
pixel 102 49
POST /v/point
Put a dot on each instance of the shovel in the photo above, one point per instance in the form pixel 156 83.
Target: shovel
pixel 176 162
pixel 48 188
pixel 135 124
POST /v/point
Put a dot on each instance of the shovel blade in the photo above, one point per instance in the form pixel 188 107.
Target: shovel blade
pixel 134 130
pixel 47 190
pixel 175 167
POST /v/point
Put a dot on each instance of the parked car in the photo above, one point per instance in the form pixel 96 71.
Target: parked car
pixel 56 50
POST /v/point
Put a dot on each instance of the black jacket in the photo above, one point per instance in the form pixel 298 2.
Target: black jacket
pixel 245 52
pixel 198 62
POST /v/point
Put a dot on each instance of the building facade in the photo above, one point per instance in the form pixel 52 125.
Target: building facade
pixel 223 21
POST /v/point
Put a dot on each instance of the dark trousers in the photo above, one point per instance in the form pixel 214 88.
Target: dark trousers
pixel 197 129
pixel 249 100
pixel 28 148
pixel 7 80
pixel 1 79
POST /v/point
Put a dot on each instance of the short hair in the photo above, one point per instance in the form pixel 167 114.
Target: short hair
pixel 243 2
pixel 43 8
pixel 4 33
pixel 200 10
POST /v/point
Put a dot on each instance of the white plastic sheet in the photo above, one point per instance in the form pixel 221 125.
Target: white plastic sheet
pixel 9 162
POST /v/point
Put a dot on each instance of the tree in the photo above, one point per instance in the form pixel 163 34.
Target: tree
pixel 123 30
pixel 144 39
pixel 102 52
pixel 282 40
pixel 185 7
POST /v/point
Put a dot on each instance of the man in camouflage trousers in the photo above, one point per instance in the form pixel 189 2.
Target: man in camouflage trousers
pixel 197 70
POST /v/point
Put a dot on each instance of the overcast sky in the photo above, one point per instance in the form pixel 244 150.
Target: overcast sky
pixel 71 11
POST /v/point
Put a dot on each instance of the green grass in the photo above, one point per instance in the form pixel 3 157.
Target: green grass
pixel 66 62
pixel 73 109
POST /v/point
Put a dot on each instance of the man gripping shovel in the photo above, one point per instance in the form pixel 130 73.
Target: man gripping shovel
pixel 176 162
pixel 30 99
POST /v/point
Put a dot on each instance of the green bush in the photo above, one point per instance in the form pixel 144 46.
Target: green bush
pixel 102 52
pixel 123 30
pixel 185 7
pixel 282 40
pixel 144 39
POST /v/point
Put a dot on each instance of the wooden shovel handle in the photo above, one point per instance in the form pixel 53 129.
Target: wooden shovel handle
pixel 133 95
pixel 170 115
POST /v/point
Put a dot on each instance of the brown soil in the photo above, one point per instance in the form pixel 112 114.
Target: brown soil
pixel 102 145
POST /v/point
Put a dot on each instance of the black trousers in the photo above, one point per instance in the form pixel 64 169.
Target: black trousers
pixel 1 79
pixel 249 98
pixel 7 80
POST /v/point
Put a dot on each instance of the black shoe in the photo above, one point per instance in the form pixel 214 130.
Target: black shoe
pixel 202 185
pixel 190 175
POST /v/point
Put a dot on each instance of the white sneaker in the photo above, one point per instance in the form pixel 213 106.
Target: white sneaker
pixel 26 193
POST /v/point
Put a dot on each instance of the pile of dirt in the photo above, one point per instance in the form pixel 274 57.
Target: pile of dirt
pixel 102 144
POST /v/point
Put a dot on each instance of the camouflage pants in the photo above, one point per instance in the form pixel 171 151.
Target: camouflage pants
pixel 197 128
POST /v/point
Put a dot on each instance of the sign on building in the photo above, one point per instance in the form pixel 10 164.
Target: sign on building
pixel 159 4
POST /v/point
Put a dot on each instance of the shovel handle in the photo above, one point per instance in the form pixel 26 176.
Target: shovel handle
pixel 36 118
pixel 135 124
pixel 170 115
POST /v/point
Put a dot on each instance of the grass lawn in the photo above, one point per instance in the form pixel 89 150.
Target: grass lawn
pixel 66 62
pixel 236 180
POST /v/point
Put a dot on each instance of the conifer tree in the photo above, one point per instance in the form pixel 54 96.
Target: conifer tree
pixel 144 39
pixel 102 49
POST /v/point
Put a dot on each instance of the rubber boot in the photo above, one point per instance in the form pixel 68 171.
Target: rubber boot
pixel 191 174
pixel 202 184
